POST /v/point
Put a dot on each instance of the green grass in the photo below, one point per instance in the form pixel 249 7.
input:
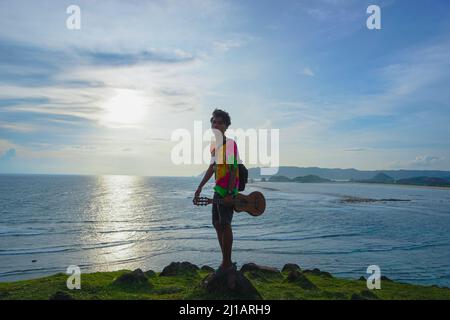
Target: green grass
pixel 100 286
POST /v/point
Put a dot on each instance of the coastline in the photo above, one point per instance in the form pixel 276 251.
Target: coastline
pixel 356 183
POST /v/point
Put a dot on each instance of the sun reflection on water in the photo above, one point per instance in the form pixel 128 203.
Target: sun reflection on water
pixel 119 208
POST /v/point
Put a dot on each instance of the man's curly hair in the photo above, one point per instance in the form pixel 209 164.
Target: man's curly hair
pixel 218 113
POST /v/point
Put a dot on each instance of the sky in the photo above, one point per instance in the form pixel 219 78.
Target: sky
pixel 106 99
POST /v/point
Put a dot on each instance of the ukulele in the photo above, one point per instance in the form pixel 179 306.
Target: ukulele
pixel 254 203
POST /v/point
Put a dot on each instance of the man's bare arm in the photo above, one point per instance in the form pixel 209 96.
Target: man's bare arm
pixel 207 176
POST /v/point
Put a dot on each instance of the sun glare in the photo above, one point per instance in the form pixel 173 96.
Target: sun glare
pixel 126 107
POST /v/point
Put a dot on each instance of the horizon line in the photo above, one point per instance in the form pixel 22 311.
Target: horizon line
pixel 186 176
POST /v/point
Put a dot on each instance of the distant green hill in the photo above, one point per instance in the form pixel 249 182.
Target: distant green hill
pixel 425 181
pixel 305 179
pixel 310 179
pixel 279 179
pixel 379 178
pixel 337 174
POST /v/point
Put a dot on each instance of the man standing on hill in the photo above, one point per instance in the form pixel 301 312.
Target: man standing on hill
pixel 224 165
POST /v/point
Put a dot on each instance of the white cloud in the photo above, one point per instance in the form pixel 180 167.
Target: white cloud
pixel 18 127
pixel 425 161
pixel 419 162
pixel 115 25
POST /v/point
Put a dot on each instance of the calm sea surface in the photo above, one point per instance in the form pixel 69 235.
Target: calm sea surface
pixel 104 223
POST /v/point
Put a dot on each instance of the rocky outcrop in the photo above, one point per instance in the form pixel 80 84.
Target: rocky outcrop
pixel 299 279
pixel 261 273
pixel 179 268
pixel 230 285
pixel 135 279
pixel 150 273
pixel 248 267
pixel 288 267
pixel 317 272
pixel 207 268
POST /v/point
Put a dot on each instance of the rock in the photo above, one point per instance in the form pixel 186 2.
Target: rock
pixel 150 273
pixel 261 273
pixel 368 200
pixel 254 267
pixel 135 279
pixel 384 278
pixel 33 261
pixel 300 279
pixel 230 285
pixel 61 295
pixel 365 295
pixel 207 268
pixel 179 268
pixel 317 272
pixel 290 267
pixel 362 278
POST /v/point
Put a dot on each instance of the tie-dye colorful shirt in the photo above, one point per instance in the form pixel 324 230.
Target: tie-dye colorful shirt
pixel 224 162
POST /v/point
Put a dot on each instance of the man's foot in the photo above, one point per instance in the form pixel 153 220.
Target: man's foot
pixel 225 269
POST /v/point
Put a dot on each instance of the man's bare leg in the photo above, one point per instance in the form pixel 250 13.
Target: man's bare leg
pixel 227 244
pixel 219 231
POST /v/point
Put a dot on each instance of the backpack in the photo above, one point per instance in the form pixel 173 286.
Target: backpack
pixel 243 176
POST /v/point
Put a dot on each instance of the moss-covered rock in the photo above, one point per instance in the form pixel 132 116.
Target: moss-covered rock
pixel 255 267
pixel 230 285
pixel 150 273
pixel 261 273
pixel 179 268
pixel 300 279
pixel 133 280
pixel 207 268
pixel 288 267
pixel 317 272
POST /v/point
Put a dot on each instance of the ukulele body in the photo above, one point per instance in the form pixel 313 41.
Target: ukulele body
pixel 254 203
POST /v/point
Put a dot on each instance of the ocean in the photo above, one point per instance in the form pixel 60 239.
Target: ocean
pixel 106 223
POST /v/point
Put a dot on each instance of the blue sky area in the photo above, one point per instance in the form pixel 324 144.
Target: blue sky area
pixel 105 99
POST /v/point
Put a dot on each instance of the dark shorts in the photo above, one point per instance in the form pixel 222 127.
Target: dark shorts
pixel 221 214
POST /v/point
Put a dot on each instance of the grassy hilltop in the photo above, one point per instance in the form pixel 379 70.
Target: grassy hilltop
pixel 186 284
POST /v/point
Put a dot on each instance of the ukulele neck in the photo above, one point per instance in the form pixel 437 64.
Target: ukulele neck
pixel 218 201
pixel 222 201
